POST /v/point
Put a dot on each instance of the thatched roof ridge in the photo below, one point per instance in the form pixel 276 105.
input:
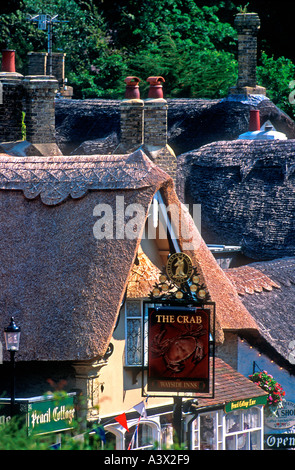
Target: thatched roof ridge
pixel 142 277
pixel 246 190
pixel 271 307
pixel 56 178
pixel 248 280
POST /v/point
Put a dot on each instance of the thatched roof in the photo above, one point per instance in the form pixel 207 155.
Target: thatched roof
pixel 246 191
pixel 267 290
pixel 142 277
pixel 191 122
pixel 63 285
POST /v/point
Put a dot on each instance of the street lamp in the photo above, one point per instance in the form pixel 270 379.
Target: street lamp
pixel 12 337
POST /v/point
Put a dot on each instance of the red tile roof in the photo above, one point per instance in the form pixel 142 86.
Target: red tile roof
pixel 230 386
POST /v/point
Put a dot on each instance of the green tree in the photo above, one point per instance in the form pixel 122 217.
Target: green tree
pixel 276 75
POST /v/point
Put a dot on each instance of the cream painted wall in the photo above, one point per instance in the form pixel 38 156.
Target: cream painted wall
pixel 119 393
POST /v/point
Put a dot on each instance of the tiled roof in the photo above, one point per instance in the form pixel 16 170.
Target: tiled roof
pixel 248 280
pixel 267 290
pixel 230 386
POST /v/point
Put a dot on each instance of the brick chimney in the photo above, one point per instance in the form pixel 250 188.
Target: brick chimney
pixel 11 95
pixel 131 118
pixel 40 91
pixel 156 128
pixel 39 64
pixel 247 25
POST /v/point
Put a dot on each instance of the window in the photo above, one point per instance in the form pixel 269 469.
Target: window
pixel 135 327
pixel 133 322
pixel 141 437
pixel 237 430
pixel 243 430
pixel 207 431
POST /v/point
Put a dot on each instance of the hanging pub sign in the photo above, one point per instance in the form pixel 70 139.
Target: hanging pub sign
pixel 178 349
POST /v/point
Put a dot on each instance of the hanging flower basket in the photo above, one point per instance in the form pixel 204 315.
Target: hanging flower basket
pixel 272 387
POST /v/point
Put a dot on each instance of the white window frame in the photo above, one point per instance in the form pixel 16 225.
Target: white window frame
pixel 129 318
pixel 120 433
pixel 220 434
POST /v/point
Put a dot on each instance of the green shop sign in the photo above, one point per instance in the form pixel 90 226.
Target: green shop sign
pixel 41 415
pixel 245 403
pixel 52 415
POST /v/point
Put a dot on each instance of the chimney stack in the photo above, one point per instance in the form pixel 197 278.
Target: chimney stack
pixel 156 128
pixel 247 26
pixel 144 124
pixel 131 118
pixel 40 93
pixel 11 95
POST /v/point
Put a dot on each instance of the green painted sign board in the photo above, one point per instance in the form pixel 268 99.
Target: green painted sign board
pixel 48 416
pixel 245 403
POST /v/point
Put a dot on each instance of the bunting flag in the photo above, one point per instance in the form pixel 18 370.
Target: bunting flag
pixel 101 432
pixel 140 408
pixel 121 419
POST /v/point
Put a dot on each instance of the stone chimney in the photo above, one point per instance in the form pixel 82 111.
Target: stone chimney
pixel 144 124
pixel 131 118
pixel 11 95
pixel 39 64
pixel 156 128
pixel 247 25
pixel 40 91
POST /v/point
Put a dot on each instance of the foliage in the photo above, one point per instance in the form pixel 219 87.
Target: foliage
pixel 193 45
pixel 276 75
pixel 14 436
pixel 272 387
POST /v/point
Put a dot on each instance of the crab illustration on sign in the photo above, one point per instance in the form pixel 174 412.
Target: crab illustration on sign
pixel 175 351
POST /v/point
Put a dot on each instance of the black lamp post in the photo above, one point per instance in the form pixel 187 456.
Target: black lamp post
pixel 12 337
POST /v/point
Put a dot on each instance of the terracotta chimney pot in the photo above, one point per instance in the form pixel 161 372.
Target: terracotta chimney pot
pixel 156 89
pixel 254 123
pixel 8 60
pixel 132 88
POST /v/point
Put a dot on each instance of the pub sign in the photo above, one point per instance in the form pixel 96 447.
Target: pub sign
pixel 178 349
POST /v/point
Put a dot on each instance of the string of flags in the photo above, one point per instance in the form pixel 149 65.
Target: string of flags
pixel 122 420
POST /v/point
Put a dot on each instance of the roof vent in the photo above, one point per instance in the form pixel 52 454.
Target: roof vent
pixel 268 132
